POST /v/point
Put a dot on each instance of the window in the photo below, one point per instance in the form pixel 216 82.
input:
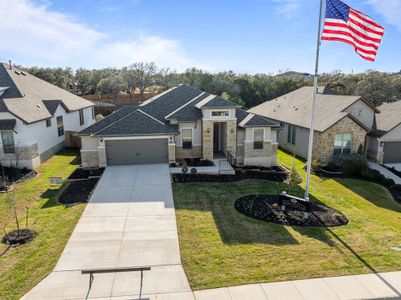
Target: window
pixel 186 136
pixel 8 141
pixel 81 117
pixel 48 122
pixel 60 126
pixel 342 144
pixel 258 138
pixel 291 134
pixel 220 113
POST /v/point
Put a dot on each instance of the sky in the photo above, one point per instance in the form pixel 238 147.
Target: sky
pixel 252 36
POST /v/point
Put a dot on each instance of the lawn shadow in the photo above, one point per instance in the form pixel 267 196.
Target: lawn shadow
pixel 369 195
pixel 52 194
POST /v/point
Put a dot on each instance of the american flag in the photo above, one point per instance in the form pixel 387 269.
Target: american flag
pixel 345 24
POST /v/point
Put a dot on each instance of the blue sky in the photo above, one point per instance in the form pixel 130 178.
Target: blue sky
pixel 253 36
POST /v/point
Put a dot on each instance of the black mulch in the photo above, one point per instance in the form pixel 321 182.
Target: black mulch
pixel 267 208
pixel 16 238
pixel 193 162
pixel 78 191
pixel 81 173
pixel 16 175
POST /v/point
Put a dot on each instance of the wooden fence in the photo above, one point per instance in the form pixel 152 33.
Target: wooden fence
pixel 71 140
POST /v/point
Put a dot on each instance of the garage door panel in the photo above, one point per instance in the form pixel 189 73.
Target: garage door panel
pixel 392 152
pixel 144 151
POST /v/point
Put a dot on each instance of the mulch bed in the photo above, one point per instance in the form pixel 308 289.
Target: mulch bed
pixel 276 174
pixel 17 175
pixel 78 191
pixel 192 162
pixel 81 173
pixel 16 238
pixel 267 208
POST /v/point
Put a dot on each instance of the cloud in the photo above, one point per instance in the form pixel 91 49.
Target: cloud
pixel 389 9
pixel 36 35
pixel 287 8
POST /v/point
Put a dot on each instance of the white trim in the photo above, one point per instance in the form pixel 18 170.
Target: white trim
pixel 145 137
pixel 218 120
pixel 172 113
pixel 192 135
pixel 151 117
pixel 246 120
pixel 205 101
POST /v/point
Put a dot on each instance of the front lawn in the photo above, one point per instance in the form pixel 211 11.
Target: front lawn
pixel 23 267
pixel 220 247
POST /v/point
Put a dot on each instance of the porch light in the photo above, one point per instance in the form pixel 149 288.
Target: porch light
pixel 208 130
pixel 232 130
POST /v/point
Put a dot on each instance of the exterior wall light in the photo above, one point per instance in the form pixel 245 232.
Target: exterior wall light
pixel 208 130
pixel 232 130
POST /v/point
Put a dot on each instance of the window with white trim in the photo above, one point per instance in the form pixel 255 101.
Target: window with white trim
pixel 258 138
pixel 291 134
pixel 342 144
pixel 186 137
pixel 224 113
pixel 60 126
pixel 7 138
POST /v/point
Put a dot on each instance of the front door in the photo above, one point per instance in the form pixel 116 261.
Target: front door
pixel 216 137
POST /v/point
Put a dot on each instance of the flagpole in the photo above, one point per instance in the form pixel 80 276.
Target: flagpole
pixel 313 115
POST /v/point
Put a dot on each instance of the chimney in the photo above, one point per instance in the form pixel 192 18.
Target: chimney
pixel 9 61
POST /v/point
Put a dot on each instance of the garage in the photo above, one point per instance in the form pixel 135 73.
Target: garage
pixel 138 151
pixel 392 152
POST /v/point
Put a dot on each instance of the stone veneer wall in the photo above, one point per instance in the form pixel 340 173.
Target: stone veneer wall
pixel 89 158
pixel 194 152
pixel 232 136
pixel 324 141
pixel 265 157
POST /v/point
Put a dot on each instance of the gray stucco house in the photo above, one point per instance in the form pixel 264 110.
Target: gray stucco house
pixel 384 142
pixel 342 122
pixel 183 122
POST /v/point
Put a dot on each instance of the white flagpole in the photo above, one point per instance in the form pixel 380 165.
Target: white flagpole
pixel 313 116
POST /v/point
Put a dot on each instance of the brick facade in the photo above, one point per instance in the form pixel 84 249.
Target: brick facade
pixel 323 147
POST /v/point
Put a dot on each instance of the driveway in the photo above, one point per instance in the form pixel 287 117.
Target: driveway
pixel 129 221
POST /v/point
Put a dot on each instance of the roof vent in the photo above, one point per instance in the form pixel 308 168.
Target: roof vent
pixel 38 106
pixel 17 72
pixel 10 65
pixel 23 73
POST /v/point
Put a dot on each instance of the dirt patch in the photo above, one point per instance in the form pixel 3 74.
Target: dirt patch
pixel 78 191
pixel 16 238
pixel 268 208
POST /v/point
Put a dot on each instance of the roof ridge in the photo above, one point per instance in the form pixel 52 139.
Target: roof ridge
pixel 205 101
pixel 246 119
pixel 157 96
pixel 182 106
pixel 146 114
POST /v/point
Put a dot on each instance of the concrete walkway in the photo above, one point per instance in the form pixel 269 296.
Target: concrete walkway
pixel 129 221
pixel 385 172
pixel 370 286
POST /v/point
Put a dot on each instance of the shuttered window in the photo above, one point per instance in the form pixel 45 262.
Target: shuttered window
pixel 60 126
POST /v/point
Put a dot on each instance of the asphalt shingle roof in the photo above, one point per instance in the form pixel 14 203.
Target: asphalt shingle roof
pixel 7 124
pixel 219 102
pixel 389 117
pixel 137 123
pixel 52 105
pixel 295 108
pixel 190 112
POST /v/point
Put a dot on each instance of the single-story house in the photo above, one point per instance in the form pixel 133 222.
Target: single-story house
pixel 342 122
pixel 182 122
pixel 384 142
pixel 35 117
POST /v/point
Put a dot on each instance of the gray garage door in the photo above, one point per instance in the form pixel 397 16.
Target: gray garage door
pixel 392 152
pixel 130 152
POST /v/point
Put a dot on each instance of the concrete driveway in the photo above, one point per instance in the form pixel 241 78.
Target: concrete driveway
pixel 129 221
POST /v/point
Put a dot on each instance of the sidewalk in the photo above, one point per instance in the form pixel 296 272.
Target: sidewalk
pixel 369 286
pixel 385 172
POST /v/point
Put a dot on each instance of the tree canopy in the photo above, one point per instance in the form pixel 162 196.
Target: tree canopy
pixel 247 90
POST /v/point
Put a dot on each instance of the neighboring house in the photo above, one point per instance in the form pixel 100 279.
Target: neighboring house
pixel 35 116
pixel 384 142
pixel 341 126
pixel 180 123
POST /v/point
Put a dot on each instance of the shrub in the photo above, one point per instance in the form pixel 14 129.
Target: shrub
pixel 396 187
pixel 353 165
pixel 388 182
pixel 373 175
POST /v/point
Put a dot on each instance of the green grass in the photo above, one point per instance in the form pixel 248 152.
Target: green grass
pixel 23 267
pixel 220 247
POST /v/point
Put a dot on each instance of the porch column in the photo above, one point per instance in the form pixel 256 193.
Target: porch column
pixel 207 139
pixel 232 137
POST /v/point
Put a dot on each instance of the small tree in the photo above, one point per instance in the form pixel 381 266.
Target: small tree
pixel 11 202
pixel 294 179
